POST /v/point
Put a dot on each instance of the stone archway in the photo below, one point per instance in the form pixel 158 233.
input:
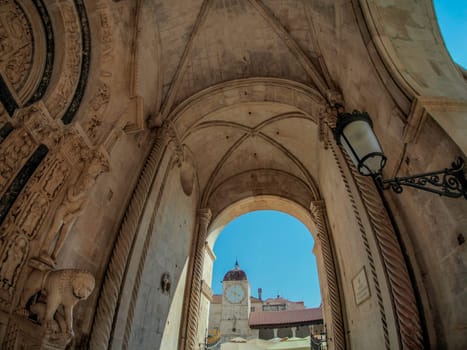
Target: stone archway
pixel 303 169
pixel 314 218
pixel 85 76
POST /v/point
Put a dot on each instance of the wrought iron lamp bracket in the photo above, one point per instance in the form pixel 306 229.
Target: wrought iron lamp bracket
pixel 450 182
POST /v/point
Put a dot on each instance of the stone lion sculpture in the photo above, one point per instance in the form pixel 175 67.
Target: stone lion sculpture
pixel 62 287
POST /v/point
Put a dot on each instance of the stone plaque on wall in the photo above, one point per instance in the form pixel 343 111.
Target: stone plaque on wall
pixel 361 290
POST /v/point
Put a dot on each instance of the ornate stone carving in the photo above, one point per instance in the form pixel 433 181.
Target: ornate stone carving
pixel 12 259
pixel 96 109
pixel 401 288
pixel 62 287
pixel 16 44
pixel 72 60
pixel 366 243
pixel 336 324
pixel 30 209
pixel 14 152
pixel 197 258
pixel 70 208
pixel 41 126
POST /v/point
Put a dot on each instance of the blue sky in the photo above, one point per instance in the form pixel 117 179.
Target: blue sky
pixel 275 249
pixel 452 19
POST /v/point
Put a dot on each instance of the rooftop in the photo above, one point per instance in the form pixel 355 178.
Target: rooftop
pixel 285 318
pixel 236 274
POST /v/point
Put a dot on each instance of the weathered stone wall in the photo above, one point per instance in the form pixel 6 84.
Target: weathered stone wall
pixel 171 336
pixel 172 226
pixel 408 133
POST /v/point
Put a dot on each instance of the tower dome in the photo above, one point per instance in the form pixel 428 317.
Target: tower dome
pixel 236 274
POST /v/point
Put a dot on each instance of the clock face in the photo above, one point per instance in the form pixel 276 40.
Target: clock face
pixel 235 293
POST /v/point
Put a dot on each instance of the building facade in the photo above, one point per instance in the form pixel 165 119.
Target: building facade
pixel 237 314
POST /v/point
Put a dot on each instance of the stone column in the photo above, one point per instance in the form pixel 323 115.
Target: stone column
pixel 336 323
pixel 194 297
pixel 294 332
pixel 275 332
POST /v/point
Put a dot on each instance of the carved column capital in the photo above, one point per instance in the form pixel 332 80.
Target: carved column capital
pixel 327 122
pixel 204 216
pixel 317 208
pixel 170 134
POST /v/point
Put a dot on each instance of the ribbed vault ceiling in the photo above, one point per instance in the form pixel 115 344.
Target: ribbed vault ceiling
pixel 206 43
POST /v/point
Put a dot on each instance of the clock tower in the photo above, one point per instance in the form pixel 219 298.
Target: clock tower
pixel 235 305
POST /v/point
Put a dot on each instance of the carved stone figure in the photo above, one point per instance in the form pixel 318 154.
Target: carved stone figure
pixel 13 156
pixel 39 309
pixel 165 283
pixel 63 287
pixel 69 210
pixel 13 258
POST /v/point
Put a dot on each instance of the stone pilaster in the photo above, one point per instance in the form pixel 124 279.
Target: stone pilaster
pixel 335 325
pixel 204 218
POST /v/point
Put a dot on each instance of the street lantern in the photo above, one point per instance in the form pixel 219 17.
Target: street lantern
pixel 354 132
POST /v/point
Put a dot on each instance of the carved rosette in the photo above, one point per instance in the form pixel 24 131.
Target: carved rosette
pixel 336 324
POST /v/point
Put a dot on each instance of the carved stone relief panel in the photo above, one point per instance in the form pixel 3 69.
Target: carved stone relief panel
pixel 14 152
pixel 95 112
pixel 52 200
pixel 29 210
pixel 16 44
pixel 33 127
pixel 13 256
pixel 94 121
pixel 71 67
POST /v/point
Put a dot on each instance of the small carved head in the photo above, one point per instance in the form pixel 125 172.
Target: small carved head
pixel 165 283
pixel 83 285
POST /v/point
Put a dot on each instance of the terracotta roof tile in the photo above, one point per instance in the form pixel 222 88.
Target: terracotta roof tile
pixel 216 299
pixel 283 318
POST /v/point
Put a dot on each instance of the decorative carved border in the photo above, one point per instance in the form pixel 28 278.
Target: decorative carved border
pixel 13 191
pixel 5 95
pixel 364 237
pixel 142 262
pixel 318 212
pixel 50 48
pixel 196 269
pixel 85 60
pixel 401 289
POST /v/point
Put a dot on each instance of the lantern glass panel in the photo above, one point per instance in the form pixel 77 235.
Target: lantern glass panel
pixel 361 144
